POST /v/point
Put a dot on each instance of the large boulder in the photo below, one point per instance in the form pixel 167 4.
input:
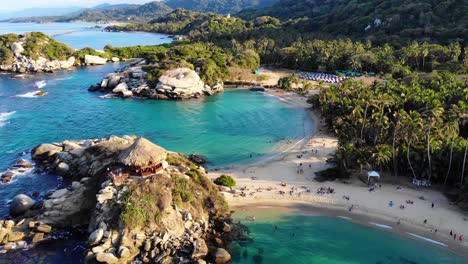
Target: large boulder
pixel 120 88
pixel 182 81
pixel 62 169
pixel 20 204
pixel 94 60
pixel 68 63
pixel 108 258
pixel 95 236
pixel 221 256
pixel 45 151
pixel 200 250
pixel 17 49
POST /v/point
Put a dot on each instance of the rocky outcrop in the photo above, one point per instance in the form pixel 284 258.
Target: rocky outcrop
pixel 94 60
pixel 22 63
pixel 22 234
pixel 41 56
pixel 171 227
pixel 176 84
pixel 182 82
pixel 20 204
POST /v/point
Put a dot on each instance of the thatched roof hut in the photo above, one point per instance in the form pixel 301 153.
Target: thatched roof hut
pixel 142 153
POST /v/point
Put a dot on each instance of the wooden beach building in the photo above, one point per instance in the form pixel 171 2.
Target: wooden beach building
pixel 143 158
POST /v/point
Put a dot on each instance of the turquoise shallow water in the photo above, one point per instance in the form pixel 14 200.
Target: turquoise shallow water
pixel 227 128
pixel 84 36
pixel 305 239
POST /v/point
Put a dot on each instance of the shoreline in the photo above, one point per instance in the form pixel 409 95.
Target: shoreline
pixel 283 182
pixel 370 221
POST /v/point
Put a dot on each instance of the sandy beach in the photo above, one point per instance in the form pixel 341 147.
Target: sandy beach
pixel 286 180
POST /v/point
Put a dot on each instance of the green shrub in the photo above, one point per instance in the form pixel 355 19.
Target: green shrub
pixel 285 83
pixel 140 206
pixel 225 180
pixel 194 173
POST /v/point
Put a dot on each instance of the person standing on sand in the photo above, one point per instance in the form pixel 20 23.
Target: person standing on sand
pixel 454 236
pixel 432 205
pixel 460 238
pixel 451 233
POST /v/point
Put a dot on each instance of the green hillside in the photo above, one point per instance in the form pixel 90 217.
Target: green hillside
pixel 376 20
pixel 219 6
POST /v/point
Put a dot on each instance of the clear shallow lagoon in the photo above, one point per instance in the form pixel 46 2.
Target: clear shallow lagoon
pixel 81 35
pixel 306 239
pixel 226 128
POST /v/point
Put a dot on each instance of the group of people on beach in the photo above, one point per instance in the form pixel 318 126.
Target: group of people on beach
pixel 452 234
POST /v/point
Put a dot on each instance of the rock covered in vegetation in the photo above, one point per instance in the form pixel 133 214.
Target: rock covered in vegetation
pixel 175 84
pixel 37 52
pixel 34 52
pixel 172 215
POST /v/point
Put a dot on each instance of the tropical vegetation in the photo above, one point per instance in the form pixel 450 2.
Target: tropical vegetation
pixel 416 127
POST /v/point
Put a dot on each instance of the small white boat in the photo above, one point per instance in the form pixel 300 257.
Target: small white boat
pixel 40 84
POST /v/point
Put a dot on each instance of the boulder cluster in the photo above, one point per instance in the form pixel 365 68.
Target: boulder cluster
pixel 22 234
pixel 22 63
pixel 175 84
pixel 20 167
pixel 94 199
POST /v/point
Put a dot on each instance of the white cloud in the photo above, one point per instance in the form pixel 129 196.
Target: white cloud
pixel 25 4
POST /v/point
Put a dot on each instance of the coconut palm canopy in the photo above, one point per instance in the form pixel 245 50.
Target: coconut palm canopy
pixel 142 153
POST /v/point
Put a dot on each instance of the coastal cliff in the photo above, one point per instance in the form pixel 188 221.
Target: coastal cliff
pixel 137 200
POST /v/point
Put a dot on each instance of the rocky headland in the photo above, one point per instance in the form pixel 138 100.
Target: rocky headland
pixel 138 202
pixel 37 52
pixel 173 84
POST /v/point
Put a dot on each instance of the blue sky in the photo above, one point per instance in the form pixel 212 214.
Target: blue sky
pixel 24 4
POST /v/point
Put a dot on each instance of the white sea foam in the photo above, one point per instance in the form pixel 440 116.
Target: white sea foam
pixel 40 84
pixel 30 94
pixel 381 225
pixel 427 239
pixel 4 117
pixel 345 217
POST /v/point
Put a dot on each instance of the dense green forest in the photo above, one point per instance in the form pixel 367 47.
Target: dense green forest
pixel 417 128
pixel 276 43
pixel 219 6
pixel 386 21
pixel 214 63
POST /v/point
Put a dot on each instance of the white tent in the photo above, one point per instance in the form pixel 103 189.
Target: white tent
pixel 372 174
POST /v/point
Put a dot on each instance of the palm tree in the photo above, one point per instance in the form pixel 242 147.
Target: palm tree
pixel 355 63
pixel 464 162
pixel 413 126
pixel 395 129
pixel 451 131
pixel 383 154
pixel 432 118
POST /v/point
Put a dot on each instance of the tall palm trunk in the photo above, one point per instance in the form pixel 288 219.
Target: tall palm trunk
pixel 364 121
pixel 464 161
pixel 409 161
pixel 393 151
pixel 450 162
pixel 380 125
pixel 429 152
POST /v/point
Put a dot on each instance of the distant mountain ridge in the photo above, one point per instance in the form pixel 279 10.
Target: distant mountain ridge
pixel 140 13
pixel 219 6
